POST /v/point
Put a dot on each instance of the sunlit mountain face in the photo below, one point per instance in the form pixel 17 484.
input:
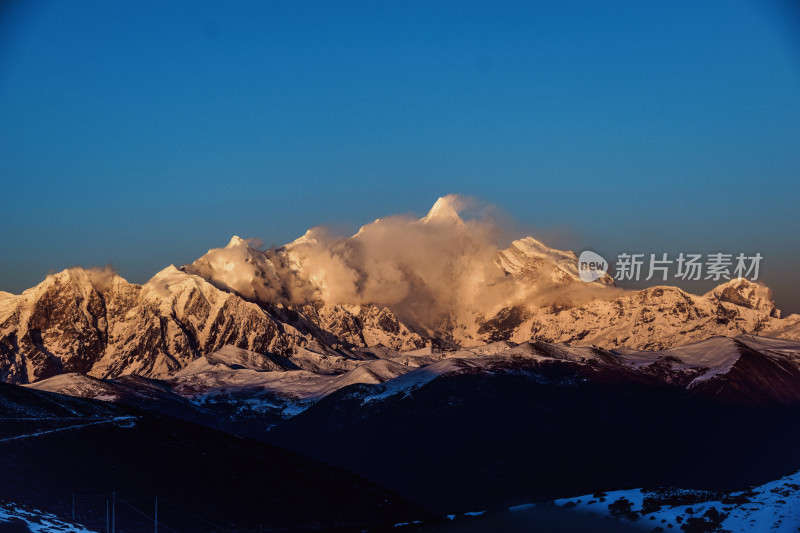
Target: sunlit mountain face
pixel 436 377
pixel 321 301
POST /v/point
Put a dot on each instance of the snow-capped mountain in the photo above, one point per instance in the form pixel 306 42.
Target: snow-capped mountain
pixel 241 385
pixel 318 302
pixel 655 318
pixel 76 322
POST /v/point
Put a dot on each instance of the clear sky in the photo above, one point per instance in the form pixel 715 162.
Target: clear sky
pixel 143 133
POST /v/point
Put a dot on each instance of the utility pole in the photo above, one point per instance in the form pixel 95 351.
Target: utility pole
pixel 73 507
pixel 156 529
pixel 114 512
pixel 108 530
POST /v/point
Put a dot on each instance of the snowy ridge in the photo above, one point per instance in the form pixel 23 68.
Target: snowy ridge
pixel 78 385
pixel 317 304
pixel 527 257
pixel 773 506
pixel 36 521
pixel 659 317
pixel 253 382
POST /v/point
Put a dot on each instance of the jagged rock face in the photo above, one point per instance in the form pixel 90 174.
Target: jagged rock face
pixel 67 324
pixel 279 302
pixel 654 318
pixel 743 293
pixel 370 325
pixel 63 331
pixel 72 323
pixel 504 325
pixel 59 326
pixel 530 260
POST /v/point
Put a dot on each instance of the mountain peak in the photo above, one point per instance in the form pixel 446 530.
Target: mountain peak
pixel 168 271
pixel 309 237
pixel 446 208
pixel 236 241
pixel 745 293
pixel 170 274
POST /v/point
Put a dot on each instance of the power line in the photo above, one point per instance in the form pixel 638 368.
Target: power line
pixel 99 498
pixel 144 514
pixel 143 498
pixel 90 499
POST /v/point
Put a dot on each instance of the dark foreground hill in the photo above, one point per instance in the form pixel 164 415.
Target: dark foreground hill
pixel 540 430
pixel 52 446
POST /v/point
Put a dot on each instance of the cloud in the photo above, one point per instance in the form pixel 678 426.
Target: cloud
pixel 256 274
pixel 429 270
pixel 99 277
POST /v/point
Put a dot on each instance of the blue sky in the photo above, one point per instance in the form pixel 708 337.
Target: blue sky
pixel 142 134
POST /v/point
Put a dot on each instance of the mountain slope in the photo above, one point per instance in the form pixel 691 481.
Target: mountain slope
pixel 318 302
pixel 654 318
pixel 542 420
pixel 494 423
pixel 59 445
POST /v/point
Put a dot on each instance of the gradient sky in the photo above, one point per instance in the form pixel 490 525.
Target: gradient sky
pixel 142 134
